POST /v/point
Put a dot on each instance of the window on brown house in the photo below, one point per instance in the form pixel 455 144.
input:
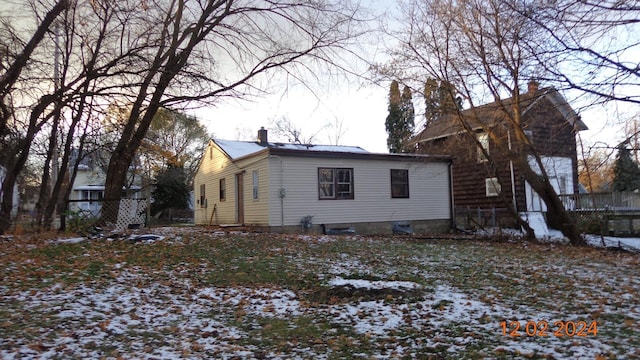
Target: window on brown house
pixel 483 139
pixel 399 183
pixel 492 187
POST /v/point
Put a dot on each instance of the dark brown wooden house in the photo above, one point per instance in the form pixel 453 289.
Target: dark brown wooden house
pixel 481 186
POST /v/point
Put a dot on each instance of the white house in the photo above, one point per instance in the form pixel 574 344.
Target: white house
pixel 87 189
pixel 87 192
pixel 276 186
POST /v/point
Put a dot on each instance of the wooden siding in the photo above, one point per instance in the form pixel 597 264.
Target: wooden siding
pixel 551 135
pixel 216 165
pixel 429 196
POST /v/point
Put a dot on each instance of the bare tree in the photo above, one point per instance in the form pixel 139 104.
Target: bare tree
pixel 487 50
pixel 336 131
pixel 91 57
pixel 16 63
pixel 594 46
pixel 155 54
pixel 221 48
pixel 284 128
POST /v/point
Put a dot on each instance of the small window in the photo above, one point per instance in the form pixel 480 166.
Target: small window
pixel 399 183
pixel 483 139
pixel 492 187
pixel 223 190
pixel 202 196
pixel 255 184
pixel 334 184
pixel 528 134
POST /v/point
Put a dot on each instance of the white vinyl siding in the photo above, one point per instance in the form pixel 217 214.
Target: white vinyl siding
pixel 560 172
pixel 430 195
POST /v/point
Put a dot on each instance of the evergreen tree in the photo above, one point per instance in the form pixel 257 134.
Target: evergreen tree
pixel 626 173
pixel 171 190
pixel 440 98
pixel 400 121
pixel 408 118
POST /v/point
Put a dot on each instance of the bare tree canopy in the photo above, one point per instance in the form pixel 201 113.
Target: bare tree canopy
pixel 154 54
pixel 488 50
pixel 592 46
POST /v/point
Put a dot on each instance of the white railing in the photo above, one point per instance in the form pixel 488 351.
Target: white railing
pixel 621 201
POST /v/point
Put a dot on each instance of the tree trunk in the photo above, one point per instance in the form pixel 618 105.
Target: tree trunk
pixel 7 201
pixel 557 215
pixel 45 195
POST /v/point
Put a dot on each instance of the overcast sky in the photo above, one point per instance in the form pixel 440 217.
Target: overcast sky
pixel 360 106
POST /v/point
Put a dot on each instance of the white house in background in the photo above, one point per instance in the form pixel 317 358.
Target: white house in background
pixel 87 189
pixel 275 186
pixel 16 198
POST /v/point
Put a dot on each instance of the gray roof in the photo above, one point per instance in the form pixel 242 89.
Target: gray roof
pixel 496 112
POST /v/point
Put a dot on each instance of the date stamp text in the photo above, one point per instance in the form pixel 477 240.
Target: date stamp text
pixel 544 328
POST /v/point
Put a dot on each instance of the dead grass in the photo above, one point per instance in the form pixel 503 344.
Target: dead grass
pixel 465 289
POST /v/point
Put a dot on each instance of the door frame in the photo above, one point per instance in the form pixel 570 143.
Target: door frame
pixel 240 197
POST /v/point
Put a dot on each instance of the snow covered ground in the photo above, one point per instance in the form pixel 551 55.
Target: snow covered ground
pixel 367 298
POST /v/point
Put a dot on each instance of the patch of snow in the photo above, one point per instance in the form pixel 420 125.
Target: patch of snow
pixel 70 240
pixel 632 244
pixel 238 149
pixel 537 222
pixel 328 148
pixel 373 284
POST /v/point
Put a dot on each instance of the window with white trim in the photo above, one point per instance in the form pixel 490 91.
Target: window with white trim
pixel 255 184
pixel 483 139
pixel 335 183
pixel 492 186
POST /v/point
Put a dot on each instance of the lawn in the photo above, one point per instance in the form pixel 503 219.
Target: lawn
pixel 200 293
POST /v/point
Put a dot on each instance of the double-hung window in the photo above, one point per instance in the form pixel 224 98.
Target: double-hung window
pixel 335 183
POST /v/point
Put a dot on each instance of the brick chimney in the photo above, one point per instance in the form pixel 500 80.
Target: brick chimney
pixel 532 86
pixel 262 136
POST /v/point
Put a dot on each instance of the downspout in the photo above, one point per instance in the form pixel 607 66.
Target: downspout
pixel 451 205
pixel 281 193
pixel 513 185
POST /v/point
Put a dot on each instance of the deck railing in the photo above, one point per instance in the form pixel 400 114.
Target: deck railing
pixel 613 201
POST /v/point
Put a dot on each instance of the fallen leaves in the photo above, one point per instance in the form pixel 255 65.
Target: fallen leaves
pixel 217 295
